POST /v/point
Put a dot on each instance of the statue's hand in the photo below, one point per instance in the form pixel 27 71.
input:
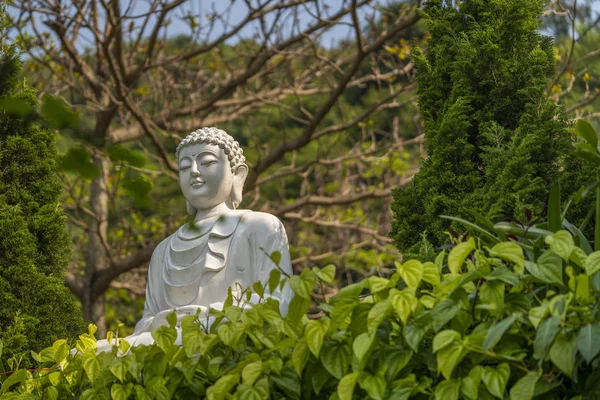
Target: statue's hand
pixel 160 319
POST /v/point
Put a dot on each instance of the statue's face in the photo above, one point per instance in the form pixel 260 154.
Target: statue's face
pixel 205 176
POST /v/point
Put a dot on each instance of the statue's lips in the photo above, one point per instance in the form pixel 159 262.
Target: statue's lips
pixel 197 184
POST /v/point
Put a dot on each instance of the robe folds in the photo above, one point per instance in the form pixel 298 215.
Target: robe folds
pixel 194 267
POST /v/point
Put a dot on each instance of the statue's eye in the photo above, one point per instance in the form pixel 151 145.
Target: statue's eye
pixel 184 166
pixel 208 162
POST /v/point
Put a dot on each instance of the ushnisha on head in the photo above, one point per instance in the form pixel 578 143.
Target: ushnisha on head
pixel 211 169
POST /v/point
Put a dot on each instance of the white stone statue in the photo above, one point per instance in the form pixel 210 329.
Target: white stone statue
pixel 194 267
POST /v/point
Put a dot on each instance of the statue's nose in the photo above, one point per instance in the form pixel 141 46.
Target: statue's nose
pixel 195 171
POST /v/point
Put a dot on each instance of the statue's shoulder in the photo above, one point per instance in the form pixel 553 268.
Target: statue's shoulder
pixel 261 222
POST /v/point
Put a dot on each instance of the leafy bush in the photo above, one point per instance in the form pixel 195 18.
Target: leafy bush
pixel 482 322
pixel 495 141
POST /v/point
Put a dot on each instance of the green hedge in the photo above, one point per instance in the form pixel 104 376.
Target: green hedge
pixel 482 322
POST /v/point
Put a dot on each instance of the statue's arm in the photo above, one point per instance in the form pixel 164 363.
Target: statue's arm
pixel 153 289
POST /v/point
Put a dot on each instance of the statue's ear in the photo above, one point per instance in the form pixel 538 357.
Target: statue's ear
pixel 239 177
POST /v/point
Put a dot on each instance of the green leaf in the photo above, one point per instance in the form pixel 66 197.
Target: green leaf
pixel 119 367
pixel 548 268
pixel 588 341
pixel 443 312
pixel 447 390
pixel 131 157
pixel 314 332
pixel 413 334
pixel 139 190
pixel 584 130
pixel 505 275
pixel 303 284
pixel 431 274
pixel 561 243
pixel 164 337
pixel 51 393
pixel 275 257
pixel 258 288
pixel 403 303
pixel 394 360
pixel 495 379
pixel 327 274
pixel 563 352
pixel 288 381
pixel 15 106
pixel 444 338
pixel 509 252
pixel 79 161
pixel 56 112
pixel 336 358
pixel 362 344
pixel 554 215
pixel 19 376
pixel 496 332
pixel 91 365
pixel 492 292
pixel 544 336
pixel 411 272
pixel 470 383
pixel 459 254
pixel 378 313
pixel 374 386
pixel 274 278
pixel 524 388
pixel 376 284
pixel 222 387
pixel 300 356
pixel 252 372
pixel 121 392
pixel 449 356
pixel 592 263
pixel 345 388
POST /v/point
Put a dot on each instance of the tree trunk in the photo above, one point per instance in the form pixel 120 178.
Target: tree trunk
pixel 96 257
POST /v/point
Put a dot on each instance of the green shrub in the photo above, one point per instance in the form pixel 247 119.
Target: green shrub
pixel 482 322
pixel 495 141
pixel 35 306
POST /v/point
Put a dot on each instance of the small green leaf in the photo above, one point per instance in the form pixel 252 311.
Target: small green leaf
pixel 524 388
pixel 548 268
pixel 378 313
pixel 544 336
pixel 447 390
pixel 56 112
pixel 121 392
pixel 345 388
pixel 300 356
pixel 315 333
pixel 252 372
pixel 327 274
pixel 362 344
pixel 91 365
pixel 561 243
pixel 470 383
pixel 459 254
pixel 495 379
pixel 411 272
pixel 336 358
pixel 449 356
pixel 584 130
pixel 274 278
pixel 413 334
pixel 509 252
pixel 79 161
pixel 119 367
pixel 275 257
pixel 592 263
pixel 588 341
pixel 563 352
pixel 131 157
pixel 139 190
pixel 431 274
pixel 496 332
pixel 374 385
pixel 222 387
pixel 444 338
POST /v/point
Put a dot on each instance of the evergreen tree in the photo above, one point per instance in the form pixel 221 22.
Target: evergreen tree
pixel 36 307
pixel 495 142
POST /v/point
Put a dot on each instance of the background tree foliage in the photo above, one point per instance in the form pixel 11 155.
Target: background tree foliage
pixel 495 141
pixel 36 308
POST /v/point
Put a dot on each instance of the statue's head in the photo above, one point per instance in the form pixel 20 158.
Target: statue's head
pixel 211 169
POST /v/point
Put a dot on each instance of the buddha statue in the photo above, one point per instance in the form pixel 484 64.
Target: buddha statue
pixel 191 270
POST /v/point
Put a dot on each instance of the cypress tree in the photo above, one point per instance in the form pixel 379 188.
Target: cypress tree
pixel 494 140
pixel 36 307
